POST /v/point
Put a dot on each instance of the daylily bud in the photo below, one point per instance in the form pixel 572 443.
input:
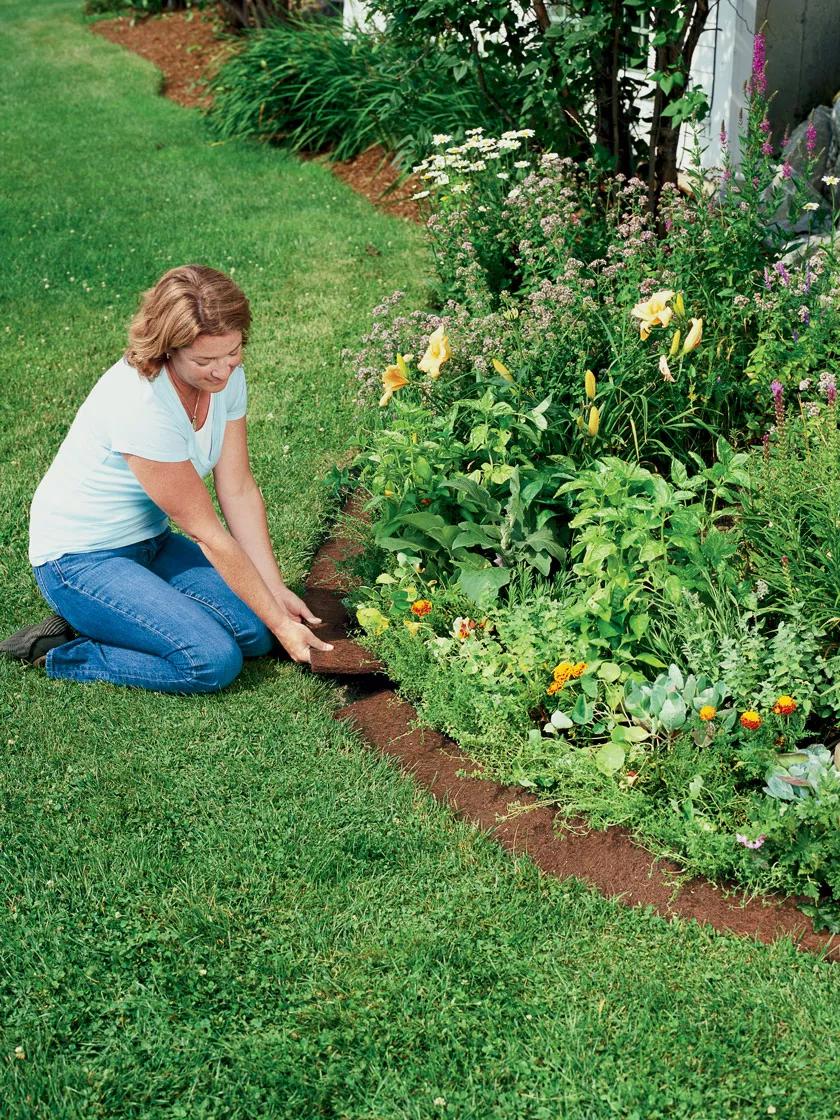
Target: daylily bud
pixel 665 370
pixel 675 344
pixel 590 384
pixel 692 339
pixel 594 421
pixel 502 370
pixel 679 305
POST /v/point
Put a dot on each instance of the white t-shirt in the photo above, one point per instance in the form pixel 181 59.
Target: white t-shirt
pixel 89 499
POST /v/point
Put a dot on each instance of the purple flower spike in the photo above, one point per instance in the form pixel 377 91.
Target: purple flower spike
pixel 782 273
pixel 724 139
pixel 831 394
pixel 787 169
pixel 767 148
pixel 758 82
pixel 811 138
pixel 765 125
pixel 777 389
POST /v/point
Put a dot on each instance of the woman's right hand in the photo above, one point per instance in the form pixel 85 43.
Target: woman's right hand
pixel 299 641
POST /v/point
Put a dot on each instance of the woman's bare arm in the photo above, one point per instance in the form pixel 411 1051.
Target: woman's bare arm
pixel 177 489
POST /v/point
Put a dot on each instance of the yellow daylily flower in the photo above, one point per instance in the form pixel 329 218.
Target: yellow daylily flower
pixel 590 384
pixel 394 377
pixel 437 352
pixel 675 344
pixel 594 421
pixel 679 305
pixel 653 312
pixel 502 370
pixel 692 339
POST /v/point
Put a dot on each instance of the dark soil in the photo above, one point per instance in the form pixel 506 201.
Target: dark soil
pixel 611 861
pixel 188 47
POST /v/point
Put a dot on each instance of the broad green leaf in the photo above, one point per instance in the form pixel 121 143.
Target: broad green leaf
pixel 482 585
pixel 610 758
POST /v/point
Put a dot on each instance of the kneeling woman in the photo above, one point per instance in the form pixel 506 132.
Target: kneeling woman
pixel 137 603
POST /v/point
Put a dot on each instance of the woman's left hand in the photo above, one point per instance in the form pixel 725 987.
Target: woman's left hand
pixel 296 607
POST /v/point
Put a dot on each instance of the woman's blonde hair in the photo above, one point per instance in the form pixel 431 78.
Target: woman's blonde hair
pixel 187 301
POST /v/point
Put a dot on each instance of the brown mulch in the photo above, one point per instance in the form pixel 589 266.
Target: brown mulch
pixel 185 46
pixel 611 861
pixel 188 47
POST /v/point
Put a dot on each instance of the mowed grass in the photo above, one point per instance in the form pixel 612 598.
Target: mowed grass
pixel 226 906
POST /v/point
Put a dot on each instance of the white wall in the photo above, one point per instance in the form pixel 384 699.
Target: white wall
pixel 722 65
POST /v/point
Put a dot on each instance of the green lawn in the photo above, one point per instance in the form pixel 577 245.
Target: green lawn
pixel 226 906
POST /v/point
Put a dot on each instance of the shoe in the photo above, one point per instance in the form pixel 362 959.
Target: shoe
pixel 33 643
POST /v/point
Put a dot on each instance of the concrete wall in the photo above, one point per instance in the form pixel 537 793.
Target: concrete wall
pixel 803 56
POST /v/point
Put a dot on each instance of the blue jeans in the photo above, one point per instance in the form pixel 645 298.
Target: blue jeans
pixel 155 614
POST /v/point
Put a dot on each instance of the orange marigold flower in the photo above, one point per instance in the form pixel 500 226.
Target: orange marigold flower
pixel 563 673
pixel 751 720
pixel 707 712
pixel 785 706
pixel 421 608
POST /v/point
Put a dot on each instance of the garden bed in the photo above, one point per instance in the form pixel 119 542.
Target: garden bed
pixel 609 860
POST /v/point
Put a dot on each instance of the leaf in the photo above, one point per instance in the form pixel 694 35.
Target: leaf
pixel 561 720
pixel 673 713
pixel 608 671
pixel 583 711
pixel 589 685
pixel 651 550
pixel 610 758
pixel 371 620
pixel 482 585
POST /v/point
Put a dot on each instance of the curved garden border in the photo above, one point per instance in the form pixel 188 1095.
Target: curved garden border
pixel 611 861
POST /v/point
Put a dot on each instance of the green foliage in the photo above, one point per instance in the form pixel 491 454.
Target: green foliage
pixel 467 489
pixel 570 71
pixel 141 7
pixel 312 86
pixel 791 527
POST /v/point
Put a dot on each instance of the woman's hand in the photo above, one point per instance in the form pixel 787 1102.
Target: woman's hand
pixel 299 641
pixel 296 607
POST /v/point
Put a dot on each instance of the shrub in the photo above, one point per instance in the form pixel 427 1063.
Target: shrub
pixel 313 86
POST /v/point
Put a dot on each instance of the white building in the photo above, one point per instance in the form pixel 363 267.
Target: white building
pixel 803 57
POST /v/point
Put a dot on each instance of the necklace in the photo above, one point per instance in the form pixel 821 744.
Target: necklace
pixel 183 402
